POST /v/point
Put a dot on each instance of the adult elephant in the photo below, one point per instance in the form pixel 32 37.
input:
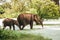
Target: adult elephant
pixel 28 18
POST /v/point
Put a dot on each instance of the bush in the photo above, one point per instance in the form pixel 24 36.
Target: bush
pixel 44 8
pixel 9 13
pixel 16 35
pixel 47 9
pixel 1 10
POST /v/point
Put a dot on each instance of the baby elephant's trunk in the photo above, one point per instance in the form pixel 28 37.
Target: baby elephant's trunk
pixel 16 22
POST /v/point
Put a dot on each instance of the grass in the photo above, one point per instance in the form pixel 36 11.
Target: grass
pixel 17 35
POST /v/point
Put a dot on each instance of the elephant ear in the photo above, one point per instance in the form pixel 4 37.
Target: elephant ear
pixel 35 16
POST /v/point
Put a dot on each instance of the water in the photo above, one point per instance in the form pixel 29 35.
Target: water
pixel 50 32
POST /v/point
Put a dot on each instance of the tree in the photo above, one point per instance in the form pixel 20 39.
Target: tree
pixel 46 8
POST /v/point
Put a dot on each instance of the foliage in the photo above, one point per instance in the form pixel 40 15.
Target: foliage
pixel 1 9
pixel 16 35
pixel 6 5
pixel 44 8
pixel 59 8
pixel 32 10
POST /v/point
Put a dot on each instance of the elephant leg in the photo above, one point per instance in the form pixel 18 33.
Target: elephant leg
pixel 31 25
pixel 20 27
pixel 24 23
pixel 41 24
pixel 10 27
pixel 4 27
pixel 13 27
pixel 23 27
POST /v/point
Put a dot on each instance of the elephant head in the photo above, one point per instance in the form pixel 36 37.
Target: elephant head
pixel 38 20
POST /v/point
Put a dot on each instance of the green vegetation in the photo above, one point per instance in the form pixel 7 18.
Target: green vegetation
pixel 44 8
pixel 59 8
pixel 16 35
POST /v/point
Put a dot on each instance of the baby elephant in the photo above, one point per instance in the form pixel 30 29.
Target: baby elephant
pixel 10 22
